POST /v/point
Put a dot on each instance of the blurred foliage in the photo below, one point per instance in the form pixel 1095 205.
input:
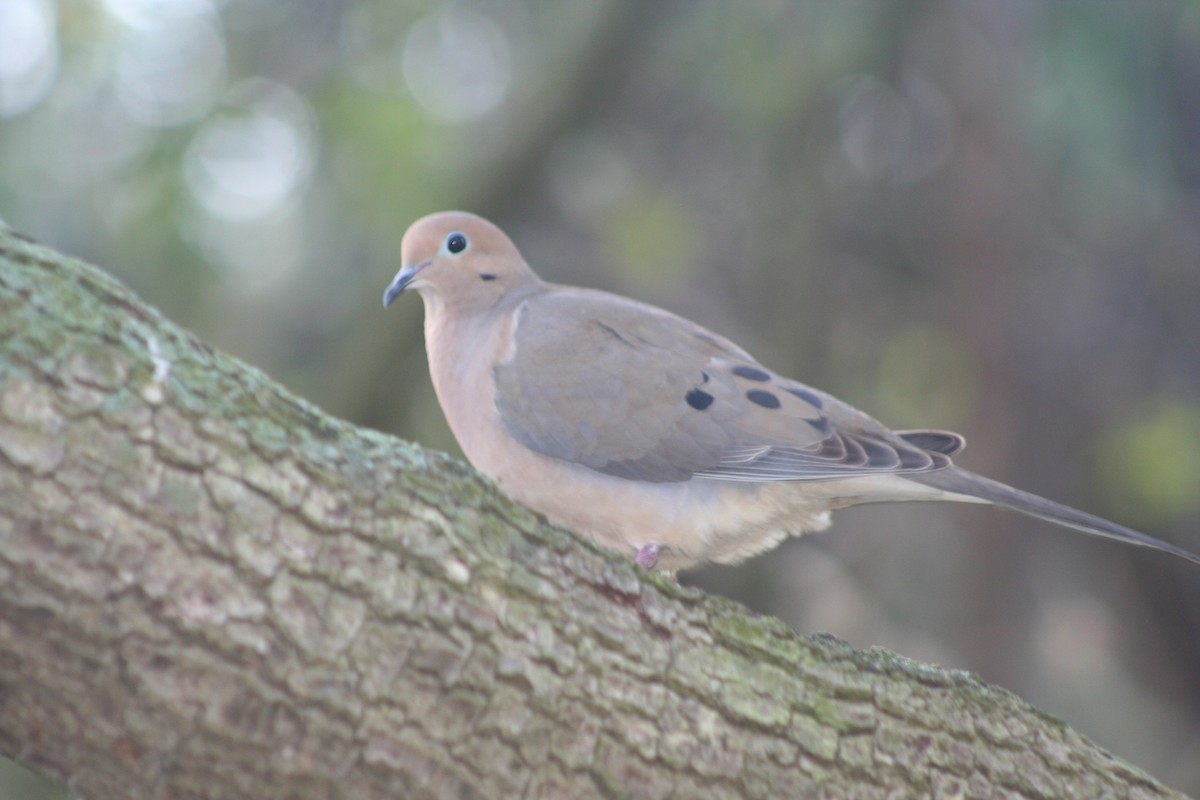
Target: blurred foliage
pixel 952 213
pixel 1153 463
pixel 926 374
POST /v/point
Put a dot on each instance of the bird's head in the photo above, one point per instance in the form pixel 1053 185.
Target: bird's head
pixel 458 259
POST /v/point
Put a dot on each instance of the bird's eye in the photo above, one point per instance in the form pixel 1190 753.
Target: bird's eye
pixel 456 243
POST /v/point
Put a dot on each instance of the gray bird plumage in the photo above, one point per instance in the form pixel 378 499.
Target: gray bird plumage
pixel 646 431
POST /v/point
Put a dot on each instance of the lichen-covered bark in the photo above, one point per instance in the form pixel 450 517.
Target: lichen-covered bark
pixel 210 589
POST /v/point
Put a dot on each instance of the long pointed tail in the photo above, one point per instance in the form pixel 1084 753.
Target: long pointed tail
pixel 959 481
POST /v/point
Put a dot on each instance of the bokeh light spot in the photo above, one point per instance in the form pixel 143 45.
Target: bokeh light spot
pixel 458 65
pixel 254 154
pixel 171 73
pixel 156 13
pixel 28 54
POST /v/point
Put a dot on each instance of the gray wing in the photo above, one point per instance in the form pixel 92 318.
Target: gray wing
pixel 633 391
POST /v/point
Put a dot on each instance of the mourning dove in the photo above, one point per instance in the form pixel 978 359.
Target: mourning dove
pixel 648 433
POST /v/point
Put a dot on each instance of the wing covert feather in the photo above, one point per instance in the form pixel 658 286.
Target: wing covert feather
pixel 636 392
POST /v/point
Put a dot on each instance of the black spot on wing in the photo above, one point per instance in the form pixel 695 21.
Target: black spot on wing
pixel 819 424
pixel 804 394
pixel 751 373
pixel 762 398
pixel 699 399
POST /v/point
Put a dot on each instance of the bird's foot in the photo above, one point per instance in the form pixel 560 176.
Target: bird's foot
pixel 647 556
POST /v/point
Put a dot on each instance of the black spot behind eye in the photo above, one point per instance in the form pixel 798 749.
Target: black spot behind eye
pixel 456 242
pixel 487 276
pixel 698 399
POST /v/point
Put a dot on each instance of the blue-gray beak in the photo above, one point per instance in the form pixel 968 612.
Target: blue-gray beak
pixel 403 278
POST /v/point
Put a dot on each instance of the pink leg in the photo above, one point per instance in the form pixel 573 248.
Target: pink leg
pixel 647 556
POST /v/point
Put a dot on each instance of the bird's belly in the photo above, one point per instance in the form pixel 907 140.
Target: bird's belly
pixel 691 521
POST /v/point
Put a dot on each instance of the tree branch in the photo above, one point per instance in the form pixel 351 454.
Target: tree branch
pixel 208 588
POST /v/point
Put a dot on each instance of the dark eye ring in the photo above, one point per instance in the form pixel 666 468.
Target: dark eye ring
pixel 456 242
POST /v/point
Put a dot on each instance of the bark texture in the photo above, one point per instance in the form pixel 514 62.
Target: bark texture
pixel 210 589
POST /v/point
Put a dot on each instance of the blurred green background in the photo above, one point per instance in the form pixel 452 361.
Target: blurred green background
pixel 974 214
